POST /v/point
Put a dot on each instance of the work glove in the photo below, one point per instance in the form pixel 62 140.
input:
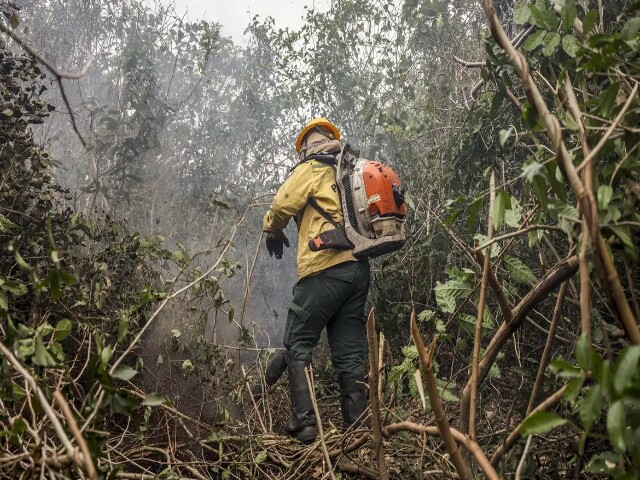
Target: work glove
pixel 275 242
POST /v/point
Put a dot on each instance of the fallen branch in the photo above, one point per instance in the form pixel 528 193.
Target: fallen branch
pixel 309 376
pixel 460 437
pixel 73 426
pixel 426 360
pixel 44 402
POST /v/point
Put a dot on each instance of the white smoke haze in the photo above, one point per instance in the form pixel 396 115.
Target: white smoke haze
pixel 184 136
pixel 235 16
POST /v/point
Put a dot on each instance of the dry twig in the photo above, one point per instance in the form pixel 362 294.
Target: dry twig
pixel 373 395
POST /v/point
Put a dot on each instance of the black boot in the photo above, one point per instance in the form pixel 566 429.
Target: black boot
pixel 353 399
pixel 275 368
pixel 302 424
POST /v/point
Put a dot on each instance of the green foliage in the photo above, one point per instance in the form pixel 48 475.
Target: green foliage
pixel 540 423
pixel 612 396
pixel 74 289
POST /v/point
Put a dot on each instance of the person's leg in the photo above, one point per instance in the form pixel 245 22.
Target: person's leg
pixel 316 300
pixel 348 341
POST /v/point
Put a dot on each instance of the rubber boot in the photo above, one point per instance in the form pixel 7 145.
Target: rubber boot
pixel 275 368
pixel 302 424
pixel 353 399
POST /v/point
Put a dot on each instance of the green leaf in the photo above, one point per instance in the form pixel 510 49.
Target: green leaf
pixel 623 234
pixel 540 423
pixel 17 289
pixel 445 389
pixel 499 207
pixel 124 372
pixel 518 271
pixel 482 239
pixel 626 368
pixel 232 312
pixel 535 40
pixel 616 425
pixel 570 45
pixel 589 21
pixel 41 356
pixel 573 390
pixel 568 14
pixel 446 294
pixel 24 266
pixel 564 369
pixel 630 29
pixel 605 192
pixel 567 215
pixel 18 426
pixel 602 463
pixel 26 348
pixel 496 103
pixel 425 315
pixel 154 399
pixel 106 354
pixel 583 352
pixel 63 329
pixel 534 236
pixel 550 43
pixel 44 329
pixel 608 100
pixel 513 216
pixel 521 13
pixel 123 326
pixel 589 407
pixel 504 136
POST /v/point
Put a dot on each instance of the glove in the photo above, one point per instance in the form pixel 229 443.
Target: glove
pixel 275 242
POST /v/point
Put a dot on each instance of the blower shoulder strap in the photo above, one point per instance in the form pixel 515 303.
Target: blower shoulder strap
pixel 324 213
pixel 328 158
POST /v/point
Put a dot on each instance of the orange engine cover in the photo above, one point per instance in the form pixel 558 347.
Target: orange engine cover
pixel 380 182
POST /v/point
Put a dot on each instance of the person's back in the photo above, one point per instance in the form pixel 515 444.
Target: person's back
pixel 332 285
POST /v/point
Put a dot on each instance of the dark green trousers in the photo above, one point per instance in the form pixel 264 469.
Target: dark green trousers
pixel 335 298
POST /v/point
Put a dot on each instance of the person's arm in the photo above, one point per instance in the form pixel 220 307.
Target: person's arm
pixel 291 198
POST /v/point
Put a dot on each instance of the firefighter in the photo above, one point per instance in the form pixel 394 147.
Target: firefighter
pixel 332 285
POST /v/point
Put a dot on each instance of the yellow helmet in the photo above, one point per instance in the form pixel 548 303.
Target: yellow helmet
pixel 317 122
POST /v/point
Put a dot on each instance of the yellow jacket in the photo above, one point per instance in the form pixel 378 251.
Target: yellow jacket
pixel 317 179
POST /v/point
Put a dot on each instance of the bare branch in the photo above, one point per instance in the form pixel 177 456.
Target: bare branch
pixel 480 317
pixel 73 426
pixel 59 74
pixel 468 64
pixel 308 372
pixel 612 127
pixel 426 360
pixel 515 234
pixel 378 445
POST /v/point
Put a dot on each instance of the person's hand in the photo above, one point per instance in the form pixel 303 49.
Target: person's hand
pixel 275 242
